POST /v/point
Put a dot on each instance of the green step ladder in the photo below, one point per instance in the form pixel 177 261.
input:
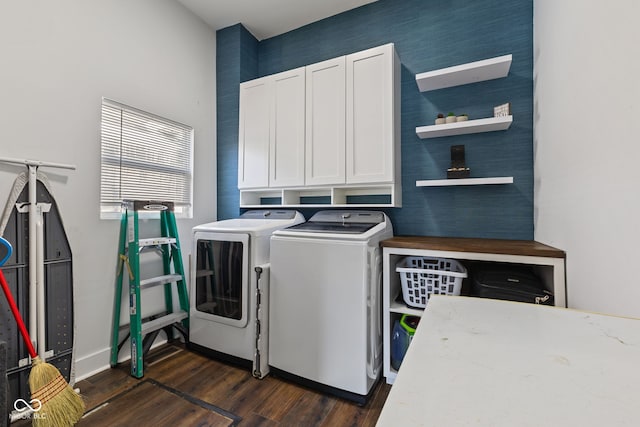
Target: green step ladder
pixel 143 331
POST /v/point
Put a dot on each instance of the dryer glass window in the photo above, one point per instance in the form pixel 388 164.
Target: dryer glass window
pixel 219 278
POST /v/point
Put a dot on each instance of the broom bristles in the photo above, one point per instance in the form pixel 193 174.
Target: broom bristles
pixel 60 406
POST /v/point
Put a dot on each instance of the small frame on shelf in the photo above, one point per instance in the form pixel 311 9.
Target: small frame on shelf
pixel 503 110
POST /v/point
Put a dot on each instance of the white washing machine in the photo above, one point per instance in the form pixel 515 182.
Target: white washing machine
pixel 229 277
pixel 325 304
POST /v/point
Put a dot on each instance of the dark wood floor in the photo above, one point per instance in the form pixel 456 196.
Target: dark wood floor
pixel 181 388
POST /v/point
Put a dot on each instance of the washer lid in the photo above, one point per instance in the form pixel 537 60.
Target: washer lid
pixel 340 222
pixel 348 217
pixel 270 214
pixel 255 222
pixel 334 227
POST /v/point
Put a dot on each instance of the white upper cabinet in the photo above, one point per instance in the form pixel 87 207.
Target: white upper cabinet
pixel 372 114
pixel 271 132
pixel 253 133
pixel 330 130
pixel 325 123
pixel 286 160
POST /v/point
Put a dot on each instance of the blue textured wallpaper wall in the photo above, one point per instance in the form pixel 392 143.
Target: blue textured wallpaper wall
pixel 427 35
pixel 236 61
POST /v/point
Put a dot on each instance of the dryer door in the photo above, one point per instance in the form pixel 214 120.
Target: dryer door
pixel 220 278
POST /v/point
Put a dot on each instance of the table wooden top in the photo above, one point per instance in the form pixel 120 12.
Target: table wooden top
pixel 460 244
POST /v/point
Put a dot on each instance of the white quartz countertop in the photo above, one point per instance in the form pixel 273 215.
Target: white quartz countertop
pixel 482 362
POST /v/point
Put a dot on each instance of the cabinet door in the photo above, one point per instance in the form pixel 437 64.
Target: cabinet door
pixel 253 134
pixel 371 106
pixel 286 164
pixel 325 123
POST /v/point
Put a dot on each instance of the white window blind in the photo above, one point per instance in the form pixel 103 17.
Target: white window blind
pixel 144 157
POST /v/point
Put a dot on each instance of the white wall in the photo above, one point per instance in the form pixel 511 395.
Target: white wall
pixel 587 147
pixel 57 60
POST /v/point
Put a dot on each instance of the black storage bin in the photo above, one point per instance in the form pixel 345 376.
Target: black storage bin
pixel 520 285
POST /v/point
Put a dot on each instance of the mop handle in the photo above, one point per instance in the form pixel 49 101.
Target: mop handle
pixel 16 314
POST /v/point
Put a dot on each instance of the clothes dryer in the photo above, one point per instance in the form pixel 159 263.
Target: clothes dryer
pixel 229 303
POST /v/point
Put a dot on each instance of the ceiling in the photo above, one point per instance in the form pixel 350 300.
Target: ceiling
pixel 268 18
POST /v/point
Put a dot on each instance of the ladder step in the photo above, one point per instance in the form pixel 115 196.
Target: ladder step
pixel 160 280
pixel 155 241
pixel 161 322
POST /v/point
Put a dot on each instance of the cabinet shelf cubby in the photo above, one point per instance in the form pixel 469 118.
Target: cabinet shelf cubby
pixel 386 195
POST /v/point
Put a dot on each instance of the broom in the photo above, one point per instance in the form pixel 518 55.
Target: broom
pixel 60 405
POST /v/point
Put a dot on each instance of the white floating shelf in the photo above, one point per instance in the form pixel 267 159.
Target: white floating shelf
pixel 464 181
pixel 461 128
pixel 487 69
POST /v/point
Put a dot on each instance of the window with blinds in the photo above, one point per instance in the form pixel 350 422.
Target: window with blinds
pixel 144 157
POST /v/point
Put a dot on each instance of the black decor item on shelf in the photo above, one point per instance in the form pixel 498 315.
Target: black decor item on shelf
pixel 458 168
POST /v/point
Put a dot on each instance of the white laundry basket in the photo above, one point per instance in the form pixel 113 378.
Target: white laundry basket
pixel 423 276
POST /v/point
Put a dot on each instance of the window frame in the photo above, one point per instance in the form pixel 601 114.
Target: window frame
pixel 110 208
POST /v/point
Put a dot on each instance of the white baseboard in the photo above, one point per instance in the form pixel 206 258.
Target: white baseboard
pixel 94 363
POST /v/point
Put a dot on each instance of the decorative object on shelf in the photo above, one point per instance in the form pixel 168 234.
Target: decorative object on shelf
pixel 451 118
pixel 458 168
pixel 440 119
pixel 462 118
pixel 502 110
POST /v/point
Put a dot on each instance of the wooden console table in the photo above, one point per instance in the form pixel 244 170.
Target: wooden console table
pixel 548 262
